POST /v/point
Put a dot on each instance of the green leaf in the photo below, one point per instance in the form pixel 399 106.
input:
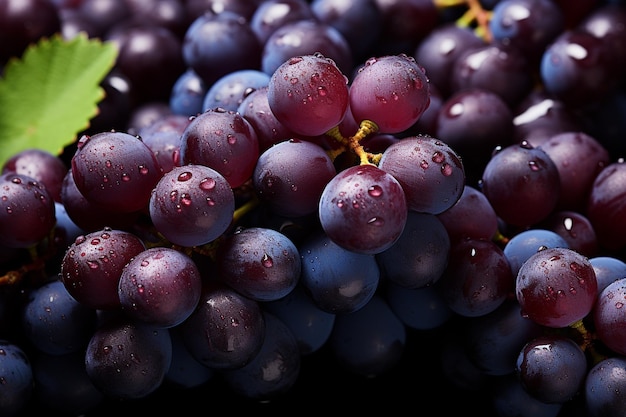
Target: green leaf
pixel 49 95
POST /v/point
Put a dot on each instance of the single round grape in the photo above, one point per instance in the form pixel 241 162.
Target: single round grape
pixel 552 369
pixel 27 211
pixel 522 184
pixel 556 287
pixel 229 90
pixel 308 94
pixel 192 205
pixel 16 370
pixel 472 216
pixel 55 322
pixel 430 172
pixel 160 286
pixel 281 181
pixel 128 360
pixel 260 263
pixel 227 329
pixel 92 265
pixel 608 269
pixel 608 316
pixel 605 388
pixel 391 90
pixel 222 140
pixel 363 209
pixel 528 242
pixel 115 170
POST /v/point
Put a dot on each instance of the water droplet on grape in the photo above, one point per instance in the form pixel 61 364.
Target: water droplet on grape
pixel 438 157
pixel 376 221
pixel 207 184
pixel 533 166
pixel 92 264
pixel 294 60
pixel 185 199
pixel 446 169
pixel 375 191
pixel 184 176
pixel 267 261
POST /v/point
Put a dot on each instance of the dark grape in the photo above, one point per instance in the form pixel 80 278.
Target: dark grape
pixel 16 372
pixel 608 316
pixel 308 94
pixel 392 91
pixel 363 209
pixel 160 286
pixel 604 388
pixel 607 269
pixel 281 182
pixel 259 263
pixel 430 172
pixel 192 205
pixel 93 263
pixel 228 91
pixel 528 242
pixel 556 287
pixel 128 360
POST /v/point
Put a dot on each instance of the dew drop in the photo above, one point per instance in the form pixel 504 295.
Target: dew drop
pixel 184 176
pixel 143 170
pixel 438 157
pixel 533 165
pixel 376 221
pixel 125 177
pixel 267 261
pixel 207 184
pixel 92 264
pixel 446 169
pixel 185 199
pixel 375 191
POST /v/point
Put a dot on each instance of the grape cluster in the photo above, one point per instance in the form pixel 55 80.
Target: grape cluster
pixel 290 203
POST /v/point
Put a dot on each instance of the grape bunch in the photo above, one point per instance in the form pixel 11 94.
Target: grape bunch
pixel 295 203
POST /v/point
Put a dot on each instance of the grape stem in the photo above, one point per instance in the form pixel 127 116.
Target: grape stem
pixel 353 143
pixel 475 15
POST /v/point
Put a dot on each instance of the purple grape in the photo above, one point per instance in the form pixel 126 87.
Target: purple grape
pixel 392 91
pixel 420 308
pixel 192 205
pixel 160 286
pixel 55 322
pixel 216 44
pixel 430 172
pixel 305 37
pixel 363 209
pixel 526 243
pixel 477 279
pixel 607 269
pixel 328 270
pixel 115 170
pixel 576 229
pixel 227 329
pixel 17 375
pixel 606 206
pixel 308 94
pixel 222 140
pixel 128 360
pixel 43 166
pixel 92 266
pixel 270 15
pixel 552 369
pixel 605 386
pixel 251 381
pixel 27 212
pixel 284 186
pixel 259 263
pixel 556 287
pixel 420 255
pixel 608 317
pixel 187 94
pixel 522 184
pixel 228 91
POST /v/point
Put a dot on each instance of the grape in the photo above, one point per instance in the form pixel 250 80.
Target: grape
pixel 310 325
pixel 604 388
pixel 93 263
pixel 17 375
pixel 226 331
pixel 528 242
pixel 552 369
pixel 229 90
pixel 420 308
pixel 222 140
pixel 55 322
pixel 28 210
pixel 115 170
pixel 305 37
pixel 608 317
pixel 281 182
pixel 439 50
pixel 185 371
pixel 192 205
pixel 42 166
pixel 575 229
pixel 128 360
pixel 337 280
pixel 511 399
pixel 160 286
pixel 363 209
pixel 556 287
pixel 280 353
pixel 430 172
pixel 420 255
pixel 477 279
pixel 273 14
pixel 259 263
pixel 607 269
pixel 392 91
pixel 216 44
pixel 187 94
pixel 522 184
pixel 308 94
